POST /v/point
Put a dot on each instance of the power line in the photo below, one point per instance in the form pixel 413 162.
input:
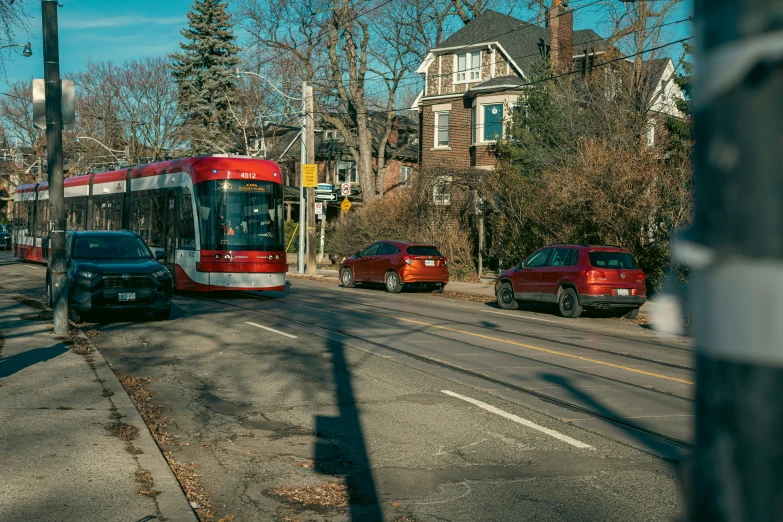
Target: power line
pixel 436 76
pixel 552 78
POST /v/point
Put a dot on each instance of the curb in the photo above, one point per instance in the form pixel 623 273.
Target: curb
pixel 171 500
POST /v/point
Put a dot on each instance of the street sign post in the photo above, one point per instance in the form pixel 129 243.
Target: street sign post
pixel 345 190
pixel 346 205
pixel 319 208
pixel 309 175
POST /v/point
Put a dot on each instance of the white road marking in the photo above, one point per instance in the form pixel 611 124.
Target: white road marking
pixel 271 329
pixel 520 420
pixel 33 267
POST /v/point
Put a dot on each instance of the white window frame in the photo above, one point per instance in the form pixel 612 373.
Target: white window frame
pixel 438 196
pixel 406 180
pixel 507 101
pixel 651 134
pixel 436 145
pixel 472 71
pixel 349 170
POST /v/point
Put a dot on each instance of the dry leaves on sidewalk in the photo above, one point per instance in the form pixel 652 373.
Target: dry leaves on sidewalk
pixel 328 494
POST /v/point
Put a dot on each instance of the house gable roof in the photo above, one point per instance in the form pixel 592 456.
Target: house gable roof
pixel 524 43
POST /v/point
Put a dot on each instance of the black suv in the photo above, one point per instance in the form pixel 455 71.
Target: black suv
pixel 113 271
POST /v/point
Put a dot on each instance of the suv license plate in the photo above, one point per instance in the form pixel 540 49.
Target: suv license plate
pixel 127 296
pixel 622 291
pixel 429 262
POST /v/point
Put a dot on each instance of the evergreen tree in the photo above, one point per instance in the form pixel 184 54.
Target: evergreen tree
pixel 680 130
pixel 204 72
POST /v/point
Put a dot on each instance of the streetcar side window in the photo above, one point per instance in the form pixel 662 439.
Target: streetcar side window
pixel 147 215
pixel 107 212
pixel 76 212
pixel 42 219
pixel 187 232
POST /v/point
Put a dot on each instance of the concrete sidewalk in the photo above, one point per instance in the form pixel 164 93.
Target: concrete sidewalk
pixel 486 288
pixel 58 457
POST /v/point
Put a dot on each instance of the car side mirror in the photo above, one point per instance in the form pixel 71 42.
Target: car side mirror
pixel 160 256
pixel 358 254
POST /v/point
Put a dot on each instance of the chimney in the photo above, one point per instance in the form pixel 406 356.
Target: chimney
pixel 560 24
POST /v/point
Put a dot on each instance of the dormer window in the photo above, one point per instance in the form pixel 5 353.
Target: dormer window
pixel 468 67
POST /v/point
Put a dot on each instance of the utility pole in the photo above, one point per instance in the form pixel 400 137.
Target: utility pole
pixel 54 152
pixel 311 229
pixel 736 250
pixel 302 161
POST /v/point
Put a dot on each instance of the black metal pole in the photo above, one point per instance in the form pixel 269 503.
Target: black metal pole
pixel 737 247
pixel 54 151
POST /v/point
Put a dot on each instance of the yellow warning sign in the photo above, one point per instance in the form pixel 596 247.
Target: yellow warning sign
pixel 309 175
pixel 346 205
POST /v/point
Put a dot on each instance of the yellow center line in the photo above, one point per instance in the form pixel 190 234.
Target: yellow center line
pixel 514 343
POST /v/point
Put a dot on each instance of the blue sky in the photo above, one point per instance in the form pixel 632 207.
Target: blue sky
pixel 101 30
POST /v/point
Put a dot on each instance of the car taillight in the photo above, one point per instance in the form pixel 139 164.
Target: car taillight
pixel 445 261
pixel 408 260
pixel 593 274
pixel 640 277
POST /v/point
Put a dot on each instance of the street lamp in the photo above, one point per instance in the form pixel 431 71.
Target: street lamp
pixel 302 161
pixel 27 52
pixel 79 138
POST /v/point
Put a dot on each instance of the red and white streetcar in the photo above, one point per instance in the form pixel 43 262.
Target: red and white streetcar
pixel 218 219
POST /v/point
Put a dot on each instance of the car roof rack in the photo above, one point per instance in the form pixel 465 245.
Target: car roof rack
pixel 569 244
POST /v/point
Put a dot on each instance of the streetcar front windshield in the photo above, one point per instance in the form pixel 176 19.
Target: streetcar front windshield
pixel 240 215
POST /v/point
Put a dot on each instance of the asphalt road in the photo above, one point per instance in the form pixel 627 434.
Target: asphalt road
pixel 424 407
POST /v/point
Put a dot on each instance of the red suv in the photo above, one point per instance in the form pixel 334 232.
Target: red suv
pixel 575 276
pixel 396 263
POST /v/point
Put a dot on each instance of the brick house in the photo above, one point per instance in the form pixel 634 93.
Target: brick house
pixel 474 78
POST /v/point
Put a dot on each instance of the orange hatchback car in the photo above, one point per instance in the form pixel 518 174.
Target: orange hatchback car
pixel 396 264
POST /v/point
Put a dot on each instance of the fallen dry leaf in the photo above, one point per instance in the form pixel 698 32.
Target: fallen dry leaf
pixel 328 494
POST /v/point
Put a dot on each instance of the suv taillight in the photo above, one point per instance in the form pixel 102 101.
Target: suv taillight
pixel 640 277
pixel 593 274
pixel 408 260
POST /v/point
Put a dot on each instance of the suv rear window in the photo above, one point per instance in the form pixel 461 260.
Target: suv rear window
pixel 423 251
pixel 618 260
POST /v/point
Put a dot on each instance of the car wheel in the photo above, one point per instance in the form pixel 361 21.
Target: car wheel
pixel 393 284
pixel 49 297
pixel 75 317
pixel 162 315
pixel 347 278
pixel 568 304
pixel 628 313
pixel 505 297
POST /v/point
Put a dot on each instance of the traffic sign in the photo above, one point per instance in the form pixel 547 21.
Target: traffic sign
pixel 325 196
pixel 319 208
pixel 309 175
pixel 346 205
pixel 345 190
pixel 324 187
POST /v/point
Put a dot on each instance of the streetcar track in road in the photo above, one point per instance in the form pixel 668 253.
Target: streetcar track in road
pixel 538 362
pixel 617 421
pixel 453 306
pixel 530 335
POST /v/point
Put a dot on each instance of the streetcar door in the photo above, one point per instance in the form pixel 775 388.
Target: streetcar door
pixel 171 230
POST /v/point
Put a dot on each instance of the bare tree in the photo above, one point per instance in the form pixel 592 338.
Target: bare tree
pixel 129 108
pixel 13 20
pixel 26 144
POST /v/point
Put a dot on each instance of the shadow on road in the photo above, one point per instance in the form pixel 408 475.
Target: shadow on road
pixel 364 504
pixel 658 446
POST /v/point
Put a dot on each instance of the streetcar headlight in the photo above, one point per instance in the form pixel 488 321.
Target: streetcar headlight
pixel 162 273
pixel 277 256
pixel 84 273
pixel 271 257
